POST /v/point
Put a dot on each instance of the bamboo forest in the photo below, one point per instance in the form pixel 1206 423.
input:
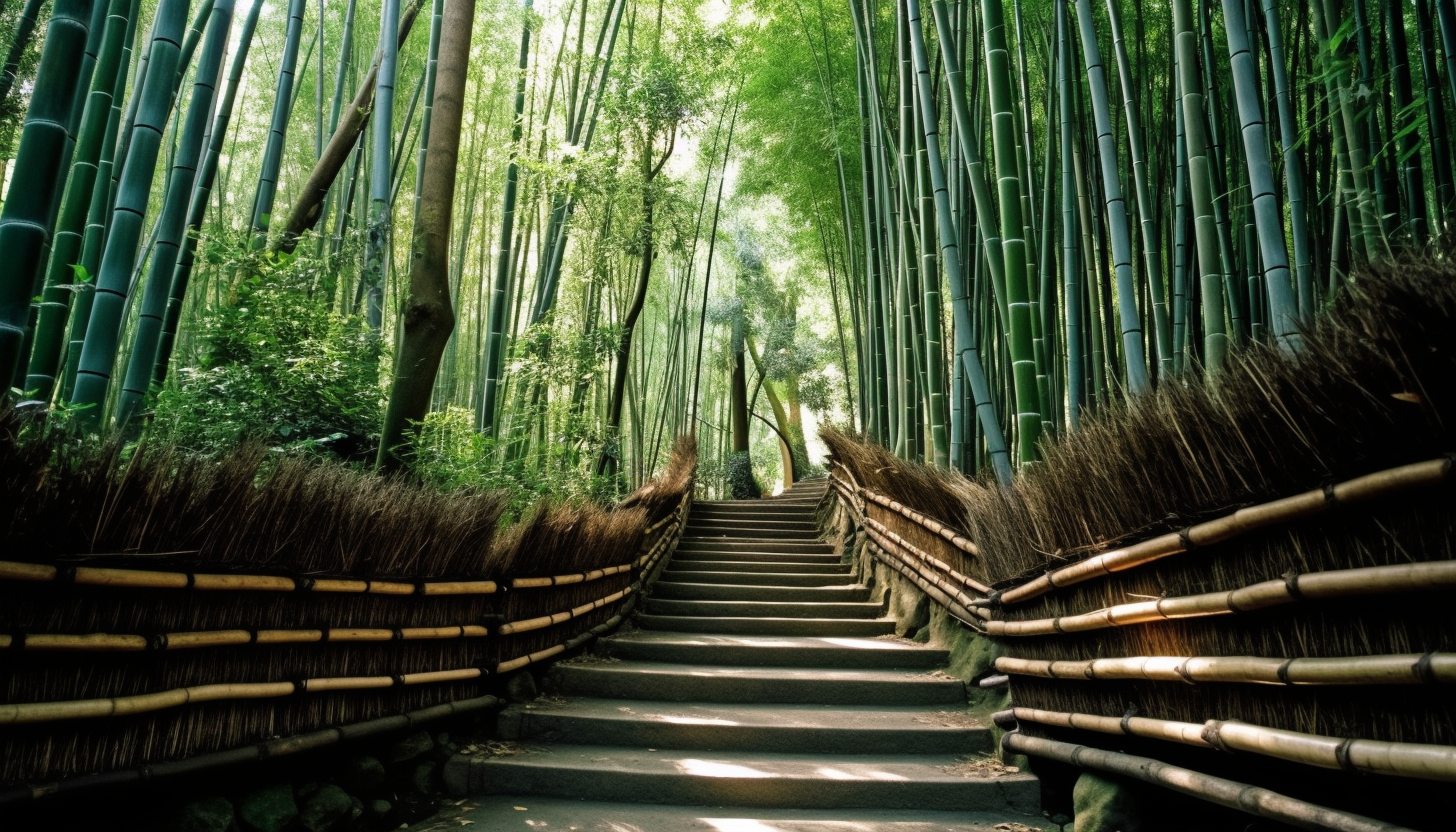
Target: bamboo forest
pixel 755 356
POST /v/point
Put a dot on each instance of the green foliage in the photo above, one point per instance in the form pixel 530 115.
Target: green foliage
pixel 281 367
pixel 741 484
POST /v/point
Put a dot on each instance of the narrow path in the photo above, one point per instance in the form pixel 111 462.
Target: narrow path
pixel 763 690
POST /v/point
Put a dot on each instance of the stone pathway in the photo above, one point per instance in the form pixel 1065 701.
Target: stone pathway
pixel 762 691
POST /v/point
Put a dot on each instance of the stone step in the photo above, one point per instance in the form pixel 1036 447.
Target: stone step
pixel 671 682
pixel 759 578
pixel 507 814
pixel 752 508
pixel 773 651
pixel 774 609
pixel 749 526
pixel 685 591
pixel 788 564
pixel 843 627
pixel 759 557
pixel 805 534
pixel 690 543
pixel 781 729
pixel 923 782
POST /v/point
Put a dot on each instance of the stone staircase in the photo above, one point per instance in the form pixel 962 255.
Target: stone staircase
pixel 762 691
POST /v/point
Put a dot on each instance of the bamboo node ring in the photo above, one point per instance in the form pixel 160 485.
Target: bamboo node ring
pixel 157 642
pixel 1211 736
pixel 1283 671
pixel 398 680
pixel 1132 711
pixel 1342 755
pixel 1330 499
pixel 17 641
pixel 1183 671
pixel 1291 585
pixel 398 634
pixel 67 574
pixel 1423 670
pixel 191 579
pixel 300 687
pixel 1186 539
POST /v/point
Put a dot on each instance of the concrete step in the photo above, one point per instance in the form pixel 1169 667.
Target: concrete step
pixel 773 651
pixel 749 523
pixel 759 578
pixel 842 627
pixel 662 681
pixel 804 534
pixel 752 508
pixel 509 814
pixel 923 782
pixel 779 729
pixel 774 609
pixel 685 591
pixel 788 564
pixel 690 543
pixel 759 557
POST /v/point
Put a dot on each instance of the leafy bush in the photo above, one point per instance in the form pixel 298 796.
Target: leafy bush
pixel 280 366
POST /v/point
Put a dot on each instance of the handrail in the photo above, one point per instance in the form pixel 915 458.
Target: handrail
pixel 1404 669
pixel 1232 794
pixel 1400 759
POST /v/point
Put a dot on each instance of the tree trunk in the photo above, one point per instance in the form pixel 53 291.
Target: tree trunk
pixel 428 316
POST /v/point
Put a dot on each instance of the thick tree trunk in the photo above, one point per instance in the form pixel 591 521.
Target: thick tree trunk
pixel 428 316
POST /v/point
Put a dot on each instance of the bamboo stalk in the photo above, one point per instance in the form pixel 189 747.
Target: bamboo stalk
pixel 1399 759
pixel 128 642
pixel 1404 669
pixel 881 530
pixel 1229 793
pixel 1309 586
pixel 934 526
pixel 1288 509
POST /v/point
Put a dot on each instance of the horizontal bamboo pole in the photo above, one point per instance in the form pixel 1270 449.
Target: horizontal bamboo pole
pixel 928 558
pixel 575 578
pixel 528 624
pixel 1229 793
pixel 153 579
pixel 1309 586
pixel 1400 759
pixel 280 747
pixel 1404 669
pixel 929 523
pixel 32 712
pixel 1288 509
pixel 119 643
pixel 953 593
pixel 936 593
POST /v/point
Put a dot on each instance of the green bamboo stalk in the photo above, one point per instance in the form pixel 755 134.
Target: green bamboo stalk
pixel 189 44
pixel 1003 142
pixel 197 207
pixel 1289 139
pixel 1200 179
pixel 949 237
pixel 24 32
pixel 1412 177
pixel 29 213
pixel 1147 212
pixel 267 190
pixel 1129 321
pixel 494 361
pixel 102 197
pixel 382 134
pixel 432 60
pixel 1071 268
pixel 55 306
pixel 1284 311
pixel 172 224
pixel 1364 222
pixel 113 281
pixel 1436 121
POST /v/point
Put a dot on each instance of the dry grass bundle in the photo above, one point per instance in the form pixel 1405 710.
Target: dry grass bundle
pixel 1373 387
pixel 64 502
pixel 940 493
pixel 659 497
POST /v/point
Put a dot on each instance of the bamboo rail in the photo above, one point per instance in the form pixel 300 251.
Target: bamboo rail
pixel 1245 520
pixel 1399 759
pixel 1405 669
pixel 281 747
pixel 927 585
pixel 1293 588
pixel 932 525
pixel 1229 793
pixel 929 559
pixel 120 643
pixel 566 615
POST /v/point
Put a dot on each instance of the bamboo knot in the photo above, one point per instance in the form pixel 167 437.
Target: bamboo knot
pixel 1132 711
pixel 1423 670
pixel 1210 735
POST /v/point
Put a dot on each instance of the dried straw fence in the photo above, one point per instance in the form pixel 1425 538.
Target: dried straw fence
pixel 1242 593
pixel 160 614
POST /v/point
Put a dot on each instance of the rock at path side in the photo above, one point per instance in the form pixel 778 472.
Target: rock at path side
pixel 362 775
pixel 205 814
pixel 269 809
pixel 521 687
pixel 329 809
pixel 422 779
pixel 415 745
pixel 1104 804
